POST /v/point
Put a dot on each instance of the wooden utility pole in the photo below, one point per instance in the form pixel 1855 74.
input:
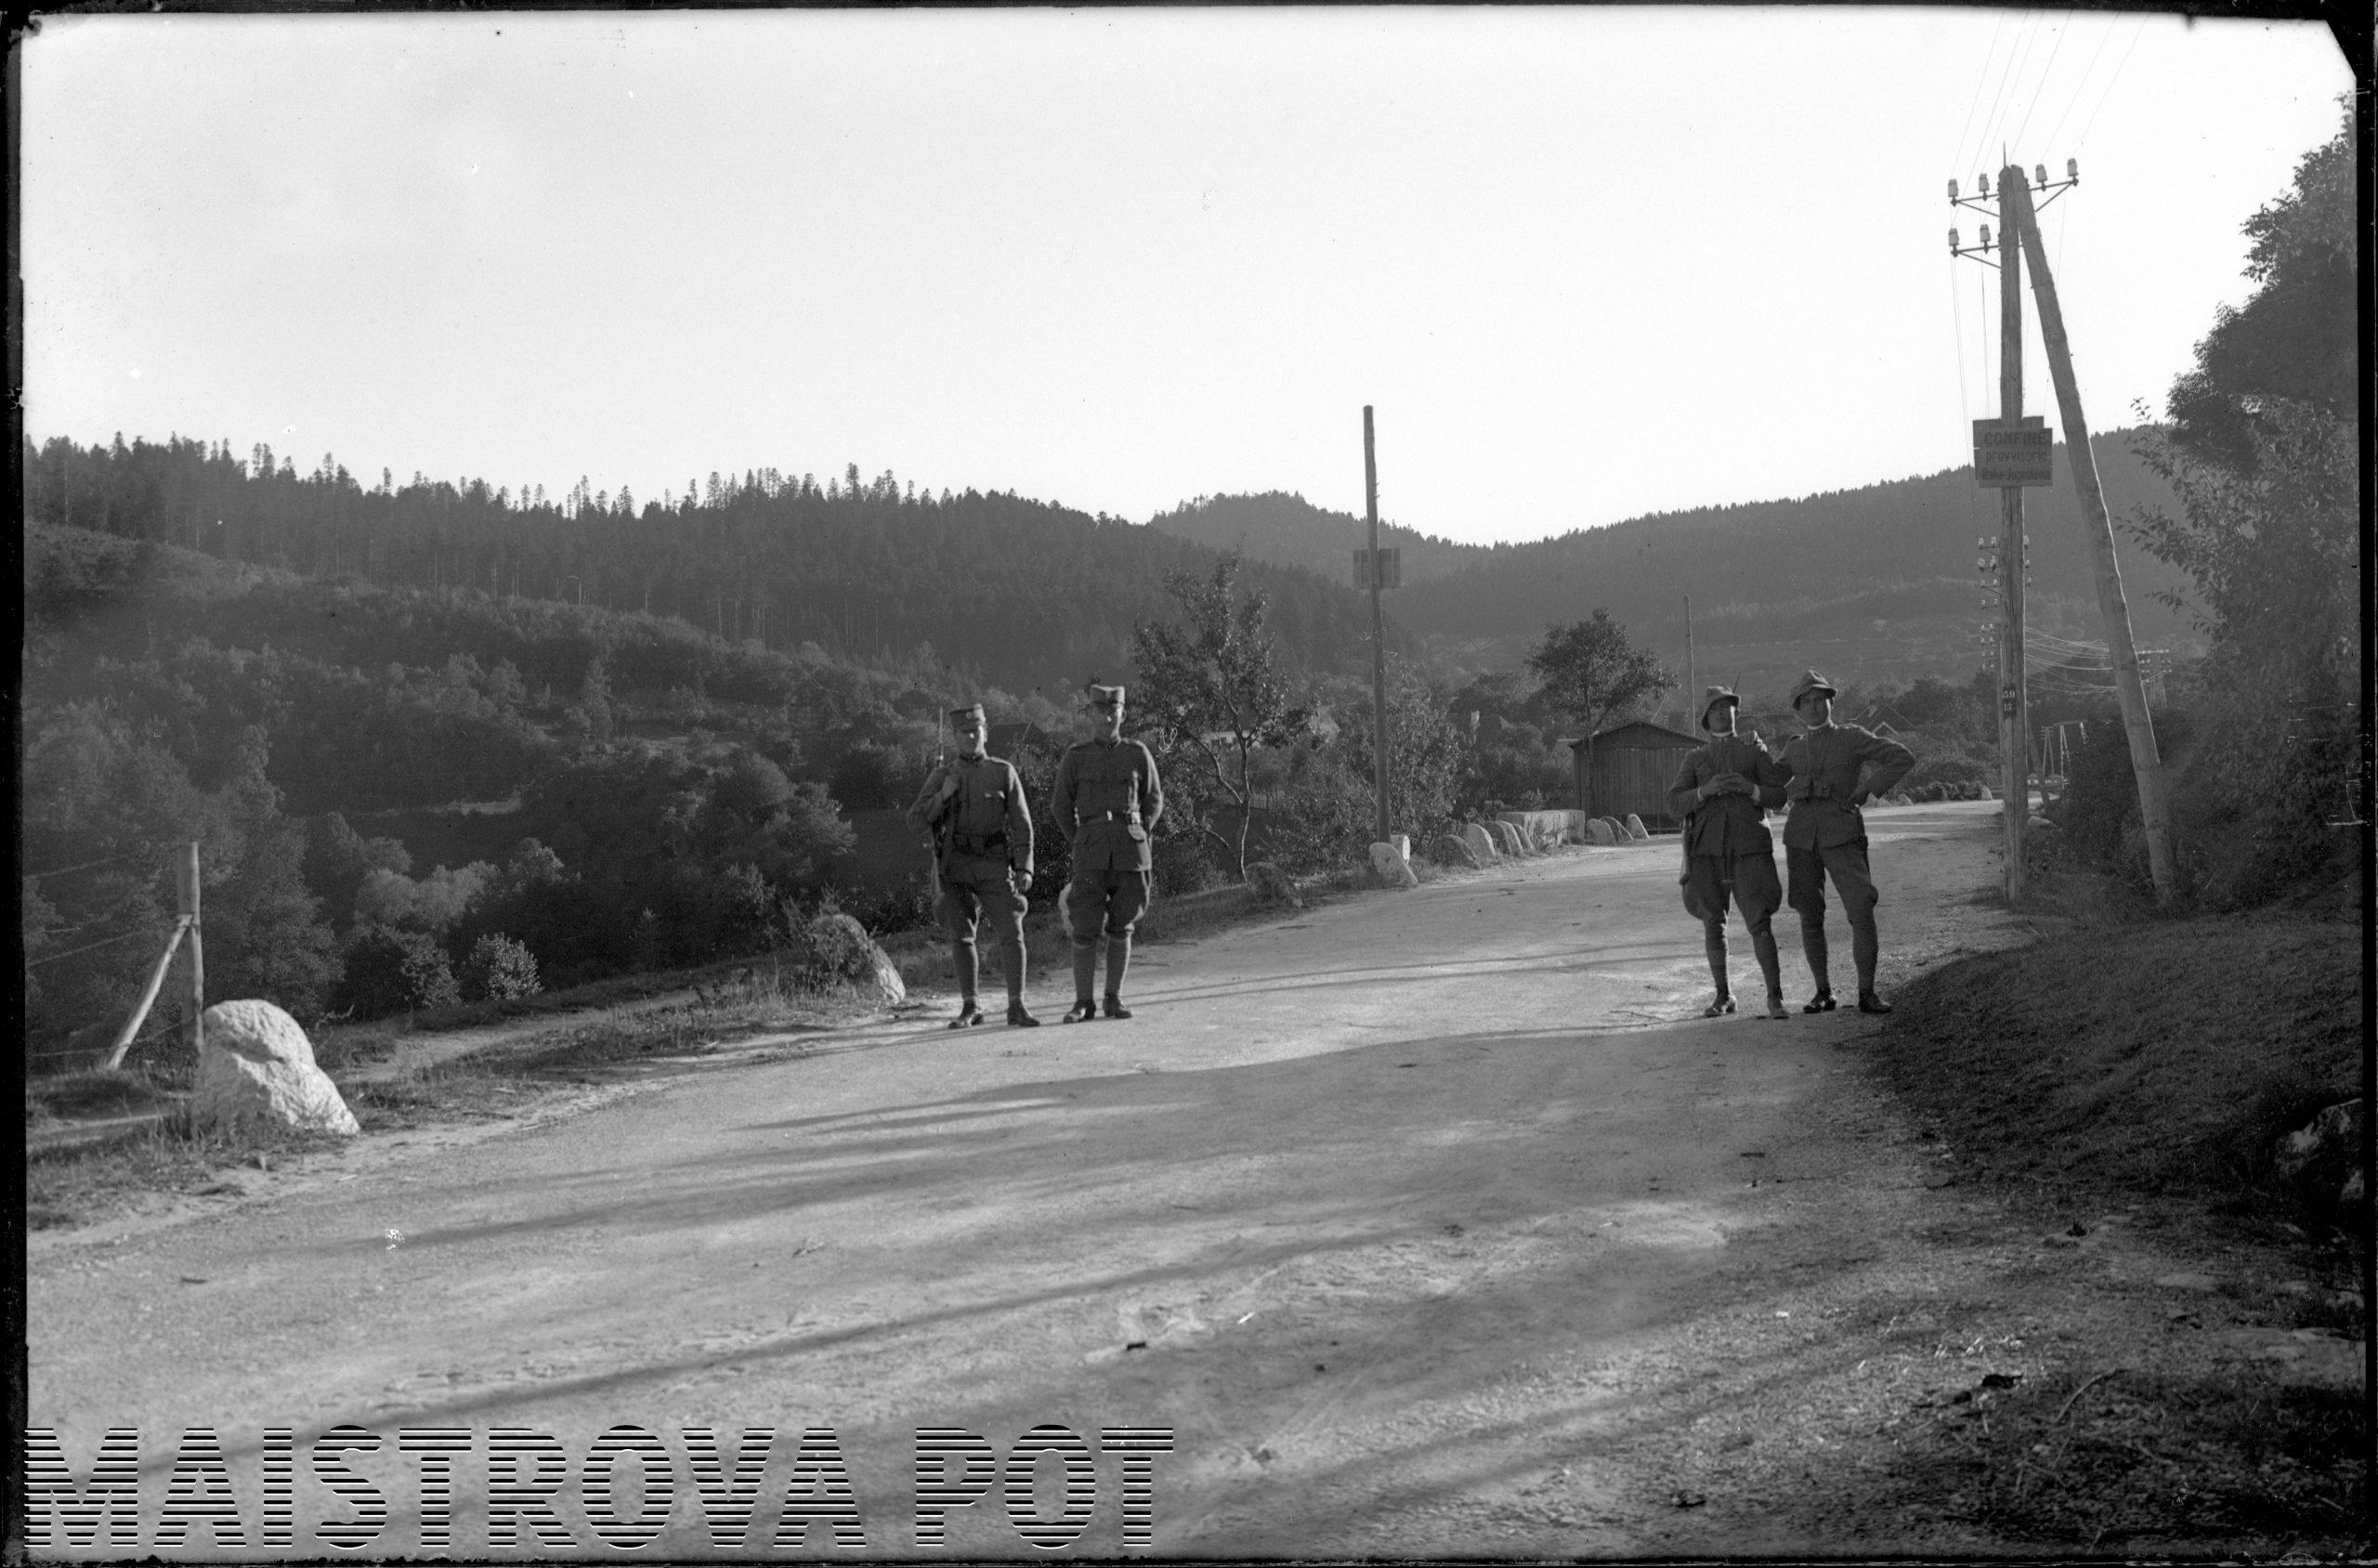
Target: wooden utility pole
pixel 186 897
pixel 2146 763
pixel 1692 690
pixel 2014 733
pixel 1378 633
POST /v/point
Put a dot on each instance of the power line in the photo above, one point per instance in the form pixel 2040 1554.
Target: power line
pixel 1958 164
pixel 2081 89
pixel 2083 139
pixel 2045 71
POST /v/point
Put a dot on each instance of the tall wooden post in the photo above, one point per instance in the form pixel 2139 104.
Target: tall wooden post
pixel 2015 790
pixel 1378 633
pixel 185 900
pixel 1691 688
pixel 2146 763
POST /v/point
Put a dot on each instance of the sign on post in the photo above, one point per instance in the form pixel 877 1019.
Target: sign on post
pixel 2005 457
pixel 1391 568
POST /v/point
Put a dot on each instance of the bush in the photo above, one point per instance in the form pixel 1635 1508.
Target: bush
pixel 392 971
pixel 498 970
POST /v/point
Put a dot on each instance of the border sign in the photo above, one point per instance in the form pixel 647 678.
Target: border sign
pixel 2007 456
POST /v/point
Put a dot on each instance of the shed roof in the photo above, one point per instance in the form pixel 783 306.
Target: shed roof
pixel 1641 735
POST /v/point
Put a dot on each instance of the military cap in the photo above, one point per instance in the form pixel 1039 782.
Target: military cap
pixel 1106 696
pixel 970 713
pixel 1812 682
pixel 1716 695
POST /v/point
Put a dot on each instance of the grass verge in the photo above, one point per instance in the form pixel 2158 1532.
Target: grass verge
pixel 2137 1075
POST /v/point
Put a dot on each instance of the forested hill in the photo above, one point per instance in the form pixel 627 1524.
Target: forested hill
pixel 1878 580
pixel 1006 591
pixel 1287 530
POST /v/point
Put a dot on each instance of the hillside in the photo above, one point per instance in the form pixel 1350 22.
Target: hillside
pixel 1873 584
pixel 1002 590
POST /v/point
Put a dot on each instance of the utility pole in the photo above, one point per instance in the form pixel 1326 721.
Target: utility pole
pixel 1691 688
pixel 185 895
pixel 1379 631
pixel 2146 763
pixel 2013 733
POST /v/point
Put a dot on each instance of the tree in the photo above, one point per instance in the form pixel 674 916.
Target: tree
pixel 2262 458
pixel 2293 342
pixel 1593 671
pixel 1210 695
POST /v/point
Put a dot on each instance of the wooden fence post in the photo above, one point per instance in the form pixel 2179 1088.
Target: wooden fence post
pixel 186 890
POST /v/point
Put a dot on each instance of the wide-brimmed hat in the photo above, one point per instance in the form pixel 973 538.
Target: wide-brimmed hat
pixel 1714 696
pixel 1812 682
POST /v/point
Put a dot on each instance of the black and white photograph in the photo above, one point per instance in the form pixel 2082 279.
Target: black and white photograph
pixel 1192 783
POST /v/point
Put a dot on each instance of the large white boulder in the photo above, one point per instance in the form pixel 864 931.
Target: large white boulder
pixel 1635 828
pixel 1393 869
pixel 1598 832
pixel 842 948
pixel 255 1068
pixel 1507 840
pixel 1482 844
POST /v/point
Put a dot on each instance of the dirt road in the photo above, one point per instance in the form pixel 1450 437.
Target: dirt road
pixel 1424 1223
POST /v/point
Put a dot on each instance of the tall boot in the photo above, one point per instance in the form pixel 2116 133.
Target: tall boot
pixel 1011 951
pixel 1713 943
pixel 1771 967
pixel 1813 945
pixel 1085 979
pixel 962 959
pixel 1118 960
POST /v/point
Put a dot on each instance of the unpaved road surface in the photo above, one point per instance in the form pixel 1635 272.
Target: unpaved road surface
pixel 1425 1224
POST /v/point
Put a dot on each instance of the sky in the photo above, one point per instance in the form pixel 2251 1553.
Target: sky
pixel 1585 263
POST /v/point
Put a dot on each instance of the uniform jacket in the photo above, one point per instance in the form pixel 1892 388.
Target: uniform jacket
pixel 1106 798
pixel 1728 825
pixel 982 822
pixel 1825 766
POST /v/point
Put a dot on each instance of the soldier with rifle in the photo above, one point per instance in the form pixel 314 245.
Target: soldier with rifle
pixel 982 836
pixel 1106 798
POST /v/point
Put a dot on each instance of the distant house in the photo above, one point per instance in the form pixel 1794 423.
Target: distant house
pixel 1633 765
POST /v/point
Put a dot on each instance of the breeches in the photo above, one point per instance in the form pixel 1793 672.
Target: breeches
pixel 1104 904
pixel 1747 880
pixel 964 903
pixel 1846 864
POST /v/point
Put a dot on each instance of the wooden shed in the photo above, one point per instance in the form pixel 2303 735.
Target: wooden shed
pixel 1633 765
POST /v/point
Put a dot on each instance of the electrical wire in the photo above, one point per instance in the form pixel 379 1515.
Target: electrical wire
pixel 2006 86
pixel 1979 77
pixel 2081 89
pixel 87 948
pixel 88 865
pixel 2045 71
pixel 2083 139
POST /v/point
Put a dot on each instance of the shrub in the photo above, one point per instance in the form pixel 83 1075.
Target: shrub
pixel 392 971
pixel 499 969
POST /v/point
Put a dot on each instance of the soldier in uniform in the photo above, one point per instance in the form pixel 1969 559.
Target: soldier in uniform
pixel 1106 798
pixel 1825 836
pixel 1722 794
pixel 982 833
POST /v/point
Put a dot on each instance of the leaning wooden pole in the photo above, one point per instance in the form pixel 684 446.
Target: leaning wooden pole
pixel 2146 763
pixel 148 997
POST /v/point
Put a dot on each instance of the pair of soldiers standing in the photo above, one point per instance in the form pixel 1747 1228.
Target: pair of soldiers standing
pixel 1106 798
pixel 1723 792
